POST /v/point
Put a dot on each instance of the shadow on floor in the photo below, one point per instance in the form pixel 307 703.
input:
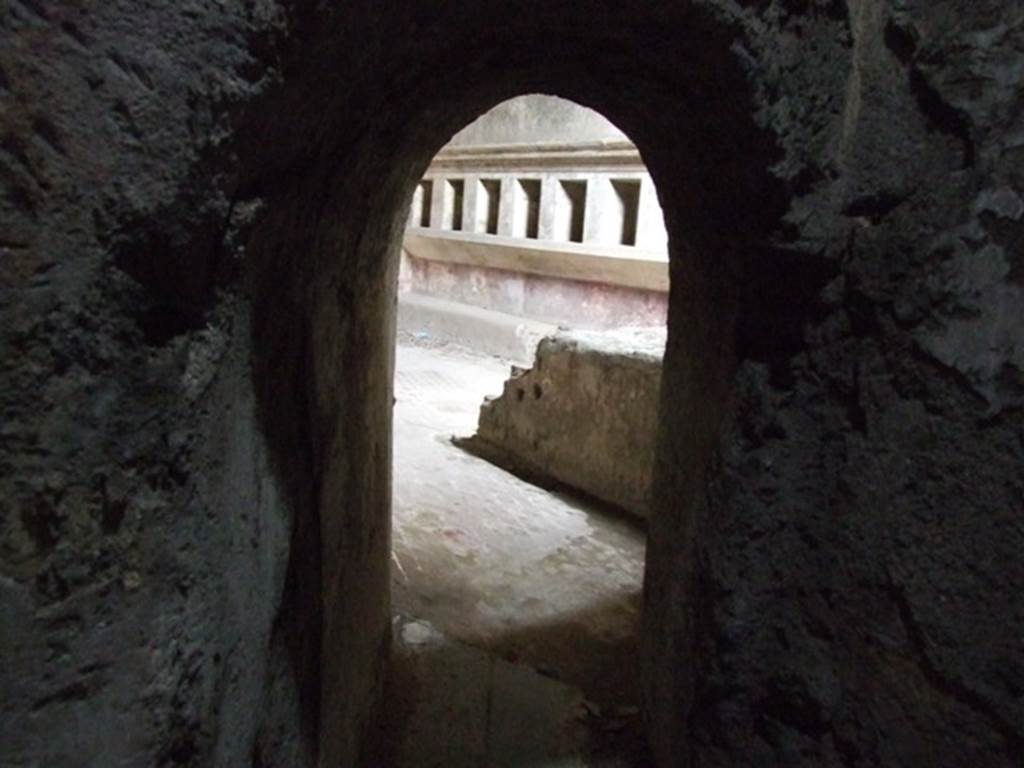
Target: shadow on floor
pixel 553 694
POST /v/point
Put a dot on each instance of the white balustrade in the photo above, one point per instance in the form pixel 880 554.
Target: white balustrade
pixel 591 200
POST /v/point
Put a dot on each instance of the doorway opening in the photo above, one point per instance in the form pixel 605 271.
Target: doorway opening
pixel 533 335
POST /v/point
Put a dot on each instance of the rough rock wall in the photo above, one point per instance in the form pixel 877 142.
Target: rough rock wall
pixel 861 531
pixel 143 535
pixel 585 415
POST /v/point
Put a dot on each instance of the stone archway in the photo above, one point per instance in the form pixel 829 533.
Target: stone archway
pixel 687 105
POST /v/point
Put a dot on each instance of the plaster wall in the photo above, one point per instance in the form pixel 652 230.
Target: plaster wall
pixel 536 118
pixel 548 299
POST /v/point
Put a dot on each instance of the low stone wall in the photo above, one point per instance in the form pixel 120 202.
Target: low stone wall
pixel 585 415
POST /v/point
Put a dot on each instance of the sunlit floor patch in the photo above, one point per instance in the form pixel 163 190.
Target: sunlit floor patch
pixel 506 583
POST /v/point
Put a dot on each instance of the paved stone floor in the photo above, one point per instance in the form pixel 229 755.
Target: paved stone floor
pixel 516 608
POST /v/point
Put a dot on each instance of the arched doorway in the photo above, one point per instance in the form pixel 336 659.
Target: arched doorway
pixel 535 245
pixel 696 134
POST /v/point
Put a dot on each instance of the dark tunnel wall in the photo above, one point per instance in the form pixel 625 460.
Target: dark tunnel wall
pixel 201 212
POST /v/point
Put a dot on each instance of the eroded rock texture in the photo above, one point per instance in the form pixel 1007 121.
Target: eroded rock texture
pixel 201 212
pixel 860 535
pixel 144 538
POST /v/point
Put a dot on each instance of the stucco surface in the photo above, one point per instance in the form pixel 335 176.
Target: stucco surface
pixel 536 118
pixel 573 303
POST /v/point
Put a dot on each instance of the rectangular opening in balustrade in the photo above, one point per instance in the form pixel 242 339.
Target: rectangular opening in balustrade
pixel 454 192
pixel 627 195
pixel 569 207
pixel 488 200
pixel 422 197
pixel 527 209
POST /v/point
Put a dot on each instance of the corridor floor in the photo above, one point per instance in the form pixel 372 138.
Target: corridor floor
pixel 516 608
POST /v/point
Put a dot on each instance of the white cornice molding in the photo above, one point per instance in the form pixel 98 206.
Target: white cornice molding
pixel 612 265
pixel 616 154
